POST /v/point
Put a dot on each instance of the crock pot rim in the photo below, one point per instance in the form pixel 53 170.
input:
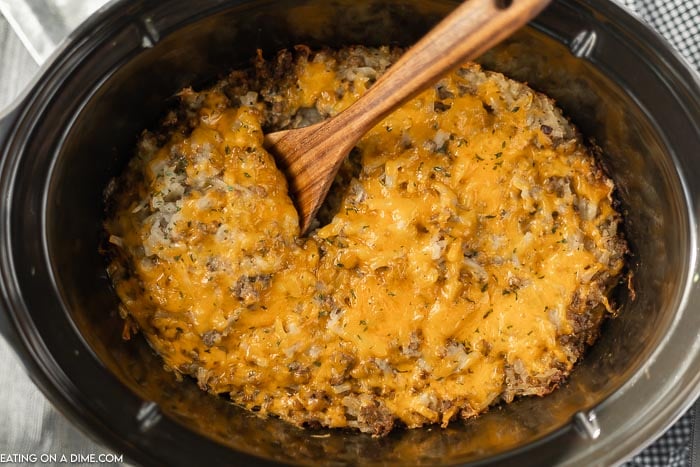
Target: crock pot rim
pixel 28 107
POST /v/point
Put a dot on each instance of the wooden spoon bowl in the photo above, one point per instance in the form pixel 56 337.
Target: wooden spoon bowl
pixel 311 156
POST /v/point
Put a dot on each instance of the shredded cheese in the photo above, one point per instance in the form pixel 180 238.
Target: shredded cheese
pixel 451 277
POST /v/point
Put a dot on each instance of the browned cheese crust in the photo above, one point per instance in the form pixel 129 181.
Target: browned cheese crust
pixel 464 256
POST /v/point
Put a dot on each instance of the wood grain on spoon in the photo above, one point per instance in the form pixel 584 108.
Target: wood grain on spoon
pixel 311 156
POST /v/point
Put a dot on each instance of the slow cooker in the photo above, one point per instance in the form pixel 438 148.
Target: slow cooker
pixel 75 128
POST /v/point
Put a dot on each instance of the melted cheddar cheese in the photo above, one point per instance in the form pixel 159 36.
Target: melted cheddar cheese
pixel 466 263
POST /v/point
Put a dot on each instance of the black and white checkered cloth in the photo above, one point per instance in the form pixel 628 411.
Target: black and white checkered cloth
pixel 679 22
pixel 673 448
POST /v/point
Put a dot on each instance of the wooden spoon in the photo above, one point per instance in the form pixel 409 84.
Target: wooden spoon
pixel 311 156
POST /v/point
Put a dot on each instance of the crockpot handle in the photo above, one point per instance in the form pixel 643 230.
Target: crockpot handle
pixel 7 330
pixel 7 327
pixel 7 120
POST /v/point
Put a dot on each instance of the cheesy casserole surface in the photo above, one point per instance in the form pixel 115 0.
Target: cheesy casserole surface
pixel 464 258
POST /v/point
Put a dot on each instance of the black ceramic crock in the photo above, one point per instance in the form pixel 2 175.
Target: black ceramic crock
pixel 77 124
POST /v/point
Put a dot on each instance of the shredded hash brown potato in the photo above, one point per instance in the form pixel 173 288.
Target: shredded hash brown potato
pixel 464 258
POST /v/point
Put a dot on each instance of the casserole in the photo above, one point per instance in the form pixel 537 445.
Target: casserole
pixel 76 127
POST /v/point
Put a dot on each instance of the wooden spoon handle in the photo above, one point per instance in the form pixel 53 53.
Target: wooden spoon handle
pixel 471 29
